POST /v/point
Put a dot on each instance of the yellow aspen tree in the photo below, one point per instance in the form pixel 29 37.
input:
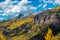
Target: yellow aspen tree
pixel 14 38
pixel 2 37
pixel 49 35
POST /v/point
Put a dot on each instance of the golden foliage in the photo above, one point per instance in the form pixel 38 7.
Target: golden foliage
pixel 4 24
pixel 49 35
pixel 57 9
pixel 34 26
pixel 57 37
pixel 20 22
pixel 2 37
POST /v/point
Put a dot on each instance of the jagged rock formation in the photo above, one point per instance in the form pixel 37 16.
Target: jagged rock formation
pixel 51 17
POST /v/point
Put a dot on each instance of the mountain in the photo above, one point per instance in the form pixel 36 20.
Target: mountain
pixel 20 15
pixel 44 25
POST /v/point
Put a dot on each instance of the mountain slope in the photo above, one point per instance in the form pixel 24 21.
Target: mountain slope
pixel 36 27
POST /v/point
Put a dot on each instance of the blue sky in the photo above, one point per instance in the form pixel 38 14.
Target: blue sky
pixel 12 8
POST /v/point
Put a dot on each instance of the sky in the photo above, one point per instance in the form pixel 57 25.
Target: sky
pixel 12 8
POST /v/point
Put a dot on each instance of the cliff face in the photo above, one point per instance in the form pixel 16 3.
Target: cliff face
pixel 50 17
pixel 32 27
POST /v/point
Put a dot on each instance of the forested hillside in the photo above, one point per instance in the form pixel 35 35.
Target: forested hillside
pixel 42 26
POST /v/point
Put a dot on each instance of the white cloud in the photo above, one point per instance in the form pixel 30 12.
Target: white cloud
pixel 44 5
pixel 39 5
pixel 40 0
pixel 10 9
pixel 33 8
pixel 0 10
pixel 57 1
pixel 23 2
pixel 47 1
pixel 50 1
pixel 1 19
pixel 49 8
